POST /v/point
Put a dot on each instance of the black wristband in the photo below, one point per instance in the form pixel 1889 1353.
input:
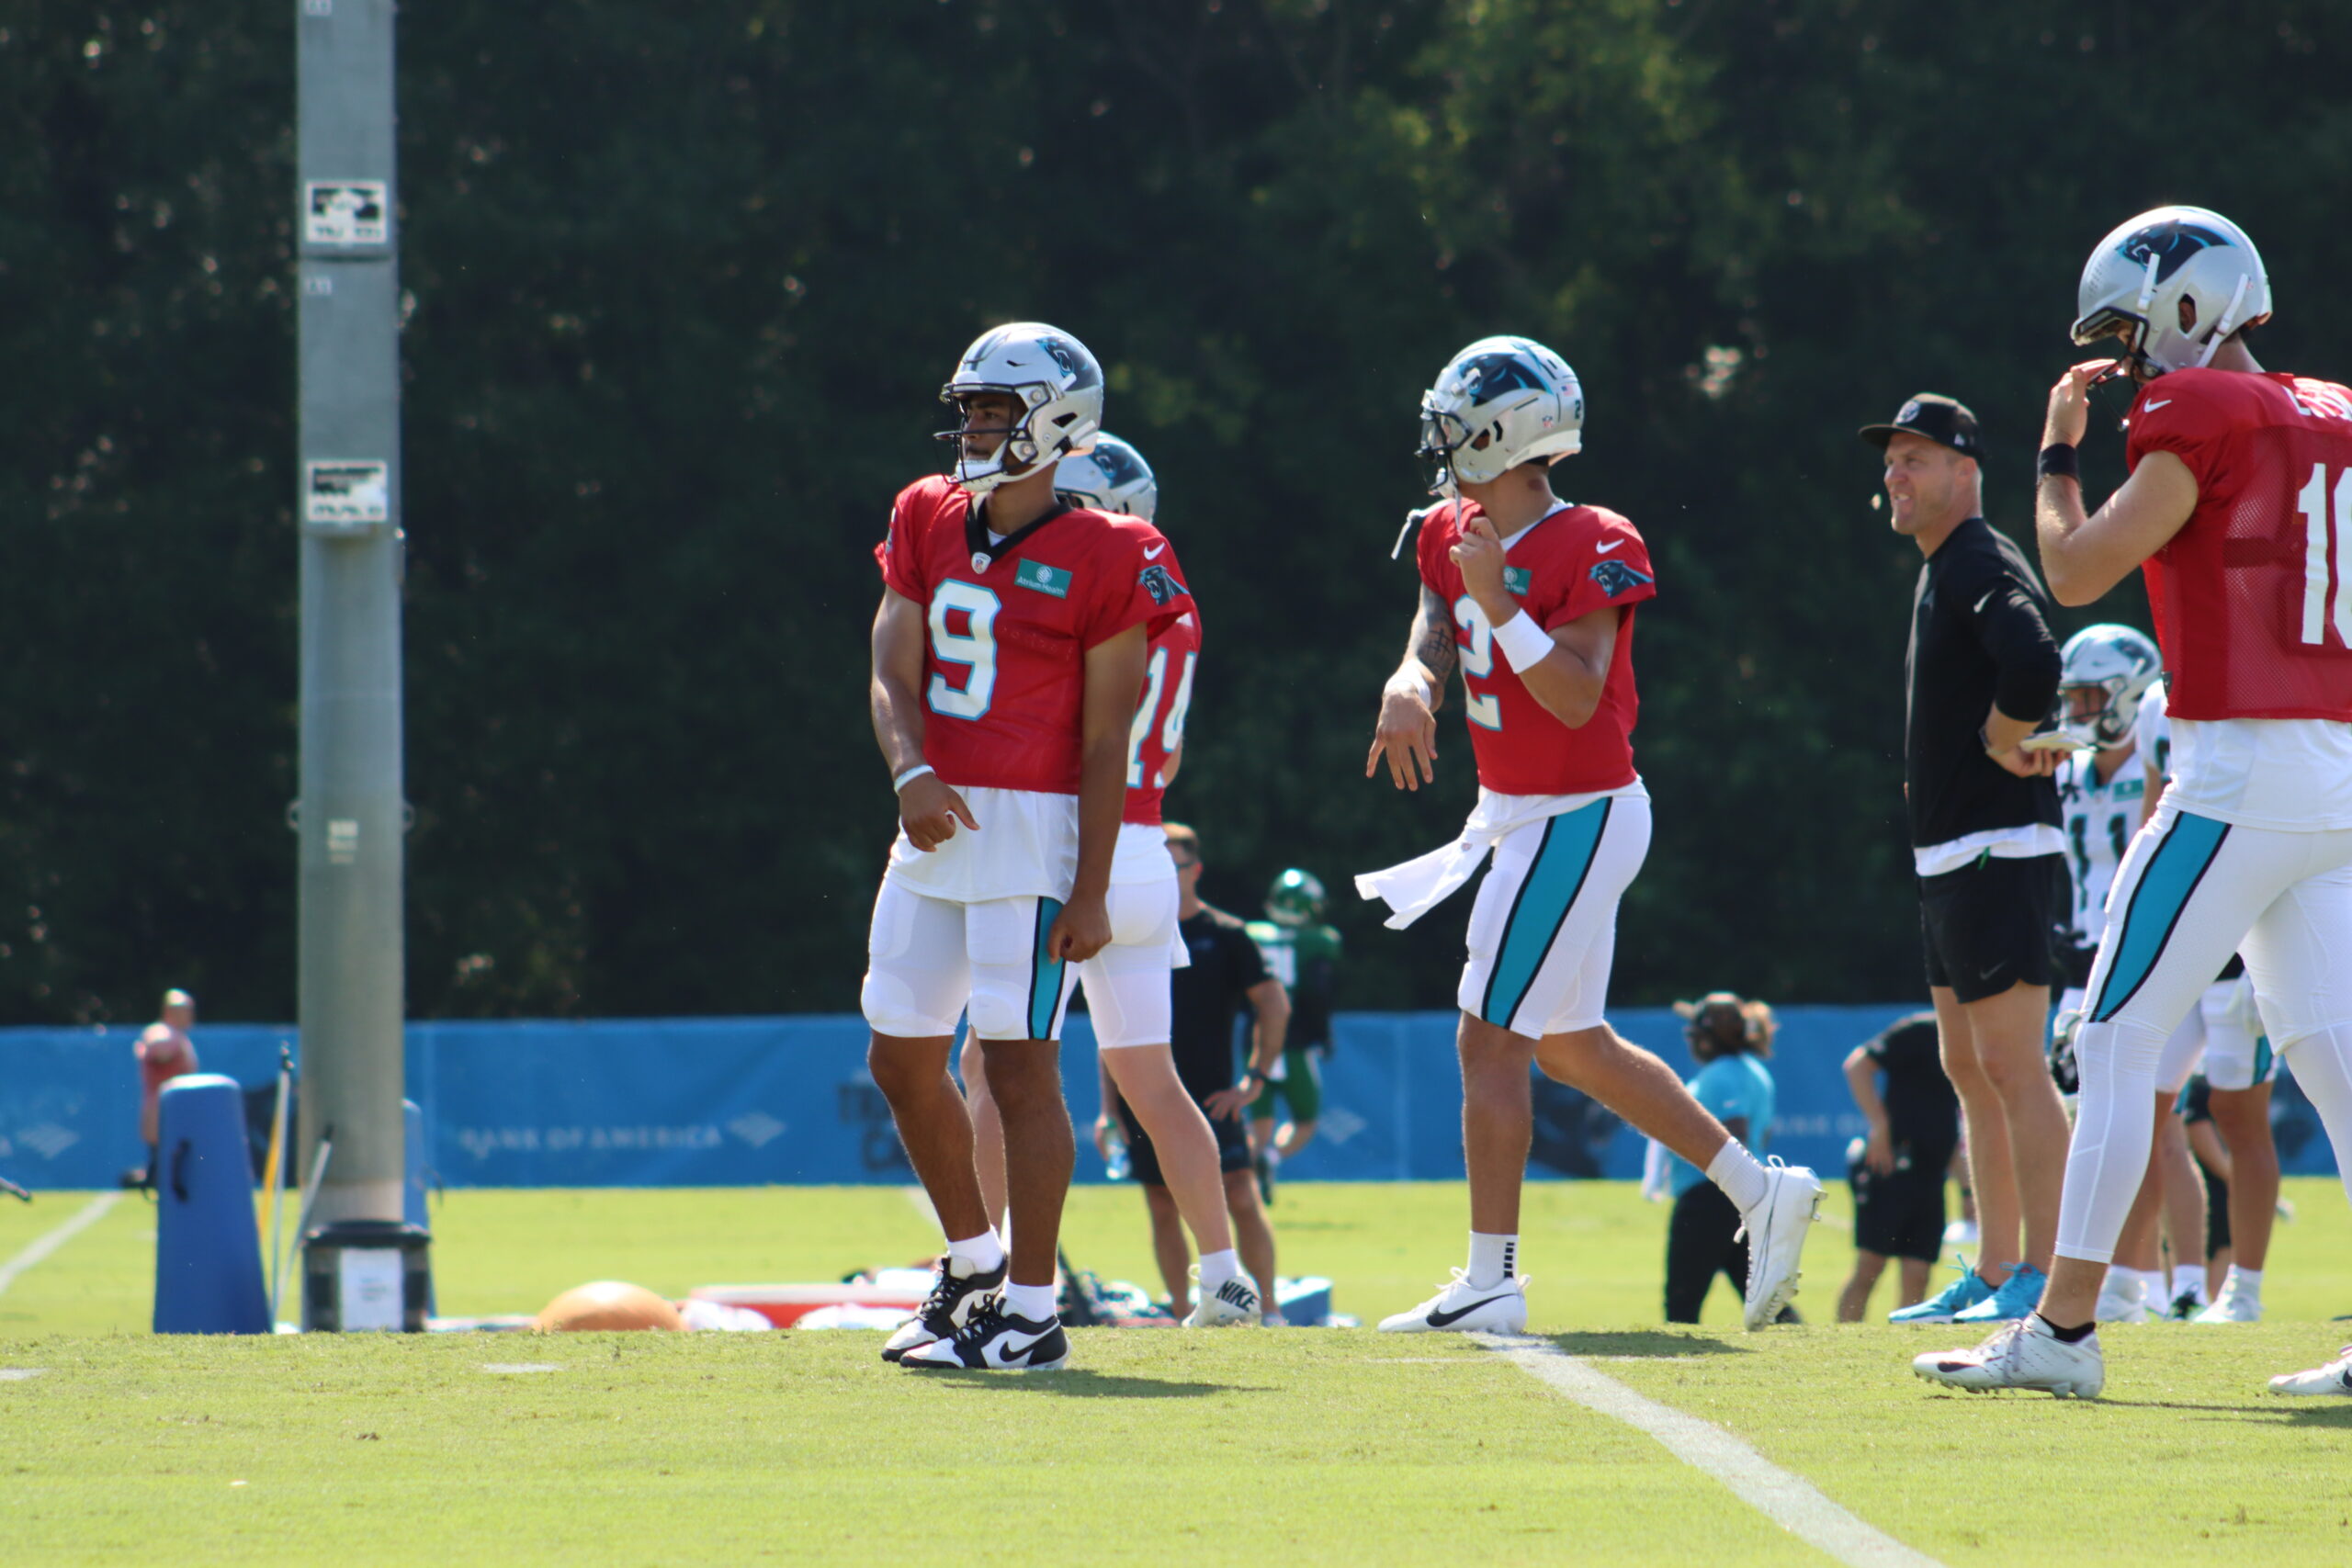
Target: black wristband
pixel 2059 461
pixel 1248 1073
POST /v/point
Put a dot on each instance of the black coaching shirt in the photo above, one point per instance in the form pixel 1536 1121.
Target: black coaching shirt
pixel 1980 635
pixel 1922 1110
pixel 1206 997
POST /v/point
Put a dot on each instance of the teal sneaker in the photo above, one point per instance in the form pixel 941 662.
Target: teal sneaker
pixel 1954 1299
pixel 2018 1295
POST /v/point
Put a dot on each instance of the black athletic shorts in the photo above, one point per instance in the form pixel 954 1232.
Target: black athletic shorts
pixel 1900 1214
pixel 2217 1214
pixel 1143 1159
pixel 1987 926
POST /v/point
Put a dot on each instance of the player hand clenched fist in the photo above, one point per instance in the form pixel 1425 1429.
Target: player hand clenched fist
pixel 1480 555
pixel 929 809
pixel 1080 931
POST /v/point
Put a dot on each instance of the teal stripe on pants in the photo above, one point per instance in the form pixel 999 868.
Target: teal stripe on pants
pixel 2146 926
pixel 1044 974
pixel 1553 879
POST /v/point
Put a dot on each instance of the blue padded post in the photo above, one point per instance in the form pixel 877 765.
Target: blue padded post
pixel 208 1247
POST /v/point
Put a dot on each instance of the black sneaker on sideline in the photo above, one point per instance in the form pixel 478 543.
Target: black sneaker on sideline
pixel 995 1341
pixel 954 1298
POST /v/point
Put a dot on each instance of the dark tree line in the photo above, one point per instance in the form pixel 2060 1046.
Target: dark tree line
pixel 684 279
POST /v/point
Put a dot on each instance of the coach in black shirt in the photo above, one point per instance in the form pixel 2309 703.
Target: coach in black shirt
pixel 1983 671
pixel 1226 975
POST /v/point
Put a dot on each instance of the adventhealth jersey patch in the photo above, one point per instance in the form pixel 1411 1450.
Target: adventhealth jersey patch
pixel 1518 579
pixel 1050 580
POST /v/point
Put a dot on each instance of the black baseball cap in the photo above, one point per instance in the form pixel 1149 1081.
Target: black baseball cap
pixel 1944 420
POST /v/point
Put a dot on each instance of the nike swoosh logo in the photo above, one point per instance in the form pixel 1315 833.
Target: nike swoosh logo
pixel 1153 551
pixel 1986 600
pixel 1022 1354
pixel 1988 974
pixel 1604 550
pixel 2161 403
pixel 1447 1319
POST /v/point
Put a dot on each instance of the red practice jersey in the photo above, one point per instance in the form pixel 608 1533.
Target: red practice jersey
pixel 1577 561
pixel 2253 597
pixel 1004 659
pixel 1159 716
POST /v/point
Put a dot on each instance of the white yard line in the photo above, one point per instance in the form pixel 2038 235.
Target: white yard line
pixel 1789 1501
pixel 91 1213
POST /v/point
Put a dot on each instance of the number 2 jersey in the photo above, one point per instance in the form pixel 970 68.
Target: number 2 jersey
pixel 2253 597
pixel 1561 567
pixel 1007 628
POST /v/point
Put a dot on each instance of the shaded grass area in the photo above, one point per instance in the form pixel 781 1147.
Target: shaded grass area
pixel 1305 1447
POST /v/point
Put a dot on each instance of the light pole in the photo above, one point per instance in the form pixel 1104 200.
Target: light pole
pixel 351 812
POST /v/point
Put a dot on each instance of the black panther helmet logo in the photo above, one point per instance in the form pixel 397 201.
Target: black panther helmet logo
pixel 1489 376
pixel 2172 243
pixel 1615 577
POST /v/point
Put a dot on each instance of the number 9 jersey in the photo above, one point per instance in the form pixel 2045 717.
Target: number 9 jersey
pixel 1564 566
pixel 1010 623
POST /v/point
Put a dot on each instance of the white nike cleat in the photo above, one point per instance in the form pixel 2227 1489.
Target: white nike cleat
pixel 1234 1301
pixel 2233 1305
pixel 2023 1354
pixel 2120 1301
pixel 2335 1378
pixel 1776 1230
pixel 1464 1308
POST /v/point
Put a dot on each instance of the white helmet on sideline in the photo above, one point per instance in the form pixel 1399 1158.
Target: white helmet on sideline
pixel 2118 661
pixel 2173 283
pixel 1061 389
pixel 1111 478
pixel 1501 402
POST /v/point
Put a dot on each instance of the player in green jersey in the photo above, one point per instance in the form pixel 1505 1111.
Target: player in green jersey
pixel 1303 954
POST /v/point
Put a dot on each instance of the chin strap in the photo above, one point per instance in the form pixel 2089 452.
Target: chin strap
pixel 2226 325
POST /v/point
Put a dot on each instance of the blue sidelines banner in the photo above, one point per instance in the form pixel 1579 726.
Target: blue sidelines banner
pixel 747 1101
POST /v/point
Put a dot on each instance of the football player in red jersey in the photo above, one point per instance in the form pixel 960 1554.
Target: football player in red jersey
pixel 1534 599
pixel 1008 654
pixel 1127 983
pixel 2238 511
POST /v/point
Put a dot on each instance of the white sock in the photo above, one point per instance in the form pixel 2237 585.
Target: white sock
pixel 1035 1302
pixel 1216 1268
pixel 2247 1282
pixel 2189 1278
pixel 2122 1281
pixel 1493 1259
pixel 1273 1158
pixel 2151 1284
pixel 1736 1172
pixel 984 1252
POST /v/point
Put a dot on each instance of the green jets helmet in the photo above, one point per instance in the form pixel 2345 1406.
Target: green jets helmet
pixel 1295 899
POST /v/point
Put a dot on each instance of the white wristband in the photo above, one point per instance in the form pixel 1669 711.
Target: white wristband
pixel 1524 642
pixel 903 780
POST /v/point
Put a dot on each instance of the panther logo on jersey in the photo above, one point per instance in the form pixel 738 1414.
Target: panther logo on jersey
pixel 1615 577
pixel 1158 584
pixel 2173 243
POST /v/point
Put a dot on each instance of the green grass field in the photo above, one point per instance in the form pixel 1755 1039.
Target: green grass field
pixel 1292 1447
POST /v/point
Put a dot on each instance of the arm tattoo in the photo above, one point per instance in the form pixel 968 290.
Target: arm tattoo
pixel 1434 642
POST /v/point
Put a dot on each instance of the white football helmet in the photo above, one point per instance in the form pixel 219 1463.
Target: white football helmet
pixel 1061 389
pixel 2119 664
pixel 1499 402
pixel 1112 478
pixel 2173 283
